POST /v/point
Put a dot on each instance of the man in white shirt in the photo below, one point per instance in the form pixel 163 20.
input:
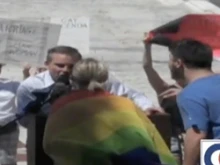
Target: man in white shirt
pixel 8 134
pixel 60 60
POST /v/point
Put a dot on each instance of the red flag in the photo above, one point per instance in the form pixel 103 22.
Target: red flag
pixel 201 27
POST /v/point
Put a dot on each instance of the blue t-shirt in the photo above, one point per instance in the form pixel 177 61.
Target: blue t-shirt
pixel 199 105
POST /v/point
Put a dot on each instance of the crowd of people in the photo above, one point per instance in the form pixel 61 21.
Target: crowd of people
pixel 76 112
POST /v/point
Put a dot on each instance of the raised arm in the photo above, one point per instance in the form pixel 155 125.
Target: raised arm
pixel 158 84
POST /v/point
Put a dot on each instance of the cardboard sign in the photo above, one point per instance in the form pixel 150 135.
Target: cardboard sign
pixel 75 32
pixel 26 41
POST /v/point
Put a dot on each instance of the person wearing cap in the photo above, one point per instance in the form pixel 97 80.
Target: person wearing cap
pixel 9 132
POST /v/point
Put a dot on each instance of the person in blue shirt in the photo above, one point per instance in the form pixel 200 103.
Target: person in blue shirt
pixel 199 101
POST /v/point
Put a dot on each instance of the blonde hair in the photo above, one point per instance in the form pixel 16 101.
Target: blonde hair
pixel 89 73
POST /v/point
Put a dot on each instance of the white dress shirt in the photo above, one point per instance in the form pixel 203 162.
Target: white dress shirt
pixel 43 82
pixel 8 91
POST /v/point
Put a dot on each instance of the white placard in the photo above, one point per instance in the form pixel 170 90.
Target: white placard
pixel 210 152
pixel 25 41
pixel 74 32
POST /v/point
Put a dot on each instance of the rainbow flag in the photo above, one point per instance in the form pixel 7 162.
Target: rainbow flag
pixel 96 128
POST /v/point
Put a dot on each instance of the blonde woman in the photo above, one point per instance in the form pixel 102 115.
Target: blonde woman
pixel 90 126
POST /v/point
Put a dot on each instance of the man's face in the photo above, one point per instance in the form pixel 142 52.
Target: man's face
pixel 60 64
pixel 176 68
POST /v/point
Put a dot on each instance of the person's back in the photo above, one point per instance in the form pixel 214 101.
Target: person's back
pixel 100 128
pixel 91 127
pixel 206 92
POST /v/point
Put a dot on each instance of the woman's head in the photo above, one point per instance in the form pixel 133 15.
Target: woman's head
pixel 90 74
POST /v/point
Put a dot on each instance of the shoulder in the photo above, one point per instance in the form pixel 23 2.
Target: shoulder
pixel 113 79
pixel 112 82
pixel 194 89
pixel 39 81
pixel 10 85
pixel 191 95
pixel 201 91
pixel 202 85
pixel 9 82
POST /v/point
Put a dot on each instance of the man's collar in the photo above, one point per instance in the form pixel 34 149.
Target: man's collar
pixel 49 77
pixel 48 80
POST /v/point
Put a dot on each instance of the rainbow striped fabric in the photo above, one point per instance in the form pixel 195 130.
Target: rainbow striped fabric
pixel 96 128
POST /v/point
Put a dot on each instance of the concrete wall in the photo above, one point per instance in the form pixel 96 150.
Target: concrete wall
pixel 117 27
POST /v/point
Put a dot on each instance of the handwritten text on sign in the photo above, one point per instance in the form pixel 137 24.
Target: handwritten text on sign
pixel 75 32
pixel 24 41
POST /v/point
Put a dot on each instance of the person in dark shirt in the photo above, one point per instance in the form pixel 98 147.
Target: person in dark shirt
pixel 166 94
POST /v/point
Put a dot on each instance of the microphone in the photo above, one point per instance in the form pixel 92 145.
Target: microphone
pixel 61 87
pixel 64 79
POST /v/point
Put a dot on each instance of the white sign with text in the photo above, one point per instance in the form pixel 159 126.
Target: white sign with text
pixel 210 152
pixel 25 41
pixel 74 32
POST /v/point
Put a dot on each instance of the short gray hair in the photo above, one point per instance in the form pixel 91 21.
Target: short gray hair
pixel 67 50
pixel 90 73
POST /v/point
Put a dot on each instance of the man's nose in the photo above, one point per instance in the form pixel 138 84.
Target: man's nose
pixel 66 69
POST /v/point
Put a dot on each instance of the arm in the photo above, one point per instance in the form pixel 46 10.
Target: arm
pixel 26 71
pixel 24 101
pixel 195 119
pixel 117 88
pixel 192 146
pixel 154 78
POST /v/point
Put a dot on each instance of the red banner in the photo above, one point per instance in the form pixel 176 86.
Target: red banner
pixel 201 27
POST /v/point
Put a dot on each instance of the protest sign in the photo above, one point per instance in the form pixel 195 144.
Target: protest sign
pixel 74 32
pixel 25 41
